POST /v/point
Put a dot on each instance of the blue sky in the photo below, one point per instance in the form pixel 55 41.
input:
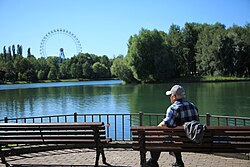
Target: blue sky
pixel 104 26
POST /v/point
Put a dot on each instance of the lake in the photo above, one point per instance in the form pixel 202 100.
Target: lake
pixel 111 96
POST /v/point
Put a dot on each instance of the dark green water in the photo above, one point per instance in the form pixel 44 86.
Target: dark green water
pixel 232 98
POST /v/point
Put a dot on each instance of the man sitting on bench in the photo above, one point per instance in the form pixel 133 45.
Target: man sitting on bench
pixel 179 112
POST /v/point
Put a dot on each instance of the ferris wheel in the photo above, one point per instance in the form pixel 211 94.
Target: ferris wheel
pixel 60 31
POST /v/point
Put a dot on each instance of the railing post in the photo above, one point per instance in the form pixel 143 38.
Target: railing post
pixel 5 119
pixel 75 117
pixel 208 119
pixel 141 118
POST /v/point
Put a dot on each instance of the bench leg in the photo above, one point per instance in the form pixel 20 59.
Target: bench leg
pixel 99 152
pixel 143 158
pixel 97 157
pixel 3 158
pixel 103 156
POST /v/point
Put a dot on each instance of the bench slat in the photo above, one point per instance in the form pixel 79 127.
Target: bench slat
pixel 21 133
pixel 70 124
pixel 180 128
pixel 216 139
pixel 87 134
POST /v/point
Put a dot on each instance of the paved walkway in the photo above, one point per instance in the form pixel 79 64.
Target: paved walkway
pixel 117 158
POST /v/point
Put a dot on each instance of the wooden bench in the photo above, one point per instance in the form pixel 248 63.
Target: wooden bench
pixel 217 139
pixel 87 135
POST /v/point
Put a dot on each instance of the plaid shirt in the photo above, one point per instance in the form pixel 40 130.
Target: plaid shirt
pixel 180 112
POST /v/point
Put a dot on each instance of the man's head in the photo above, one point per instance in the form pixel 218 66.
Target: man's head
pixel 177 92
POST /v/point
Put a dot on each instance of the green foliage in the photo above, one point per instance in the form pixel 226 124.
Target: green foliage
pixel 30 75
pixel 193 51
pixel 30 69
pixel 63 71
pixel 222 52
pixel 190 36
pixel 41 75
pixel 10 76
pixel 149 57
pixel 100 70
pixel 76 70
pixel 121 70
pixel 175 44
pixel 52 75
pixel 87 70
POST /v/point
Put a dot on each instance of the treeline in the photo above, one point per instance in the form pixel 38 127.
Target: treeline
pixel 15 67
pixel 153 56
pixel 194 50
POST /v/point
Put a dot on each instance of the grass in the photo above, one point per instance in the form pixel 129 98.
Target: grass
pixel 221 78
pixel 209 79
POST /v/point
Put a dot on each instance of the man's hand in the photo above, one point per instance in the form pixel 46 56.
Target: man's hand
pixel 161 124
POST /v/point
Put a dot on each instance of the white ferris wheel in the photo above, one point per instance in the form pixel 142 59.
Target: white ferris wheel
pixel 59 32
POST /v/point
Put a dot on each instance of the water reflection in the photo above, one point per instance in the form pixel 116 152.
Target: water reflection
pixel 215 98
pixel 223 98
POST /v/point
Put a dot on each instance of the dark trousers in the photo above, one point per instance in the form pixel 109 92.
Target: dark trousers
pixel 156 154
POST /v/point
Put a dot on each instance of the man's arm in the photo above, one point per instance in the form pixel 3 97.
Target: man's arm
pixel 169 121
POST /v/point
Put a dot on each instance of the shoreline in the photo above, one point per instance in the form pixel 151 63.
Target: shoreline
pixel 54 81
pixel 205 79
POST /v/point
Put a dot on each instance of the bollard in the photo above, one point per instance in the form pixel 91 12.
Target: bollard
pixel 5 119
pixel 75 117
pixel 208 119
pixel 141 117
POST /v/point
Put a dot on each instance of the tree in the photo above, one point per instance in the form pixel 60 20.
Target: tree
pixel 139 55
pixel 213 51
pixel 28 52
pixel 148 56
pixel 41 75
pixel 52 61
pixel 78 71
pixel 105 60
pixel 241 49
pixel 43 68
pixel 63 72
pixel 121 70
pixel 205 57
pixel 100 70
pixel 10 76
pixel 19 67
pixel 4 52
pixel 19 50
pixel 190 36
pixel 52 75
pixel 2 74
pixel 74 70
pixel 175 43
pixel 24 65
pixel 87 70
pixel 9 51
pixel 30 75
pixel 13 50
pixel 225 55
pixel 246 41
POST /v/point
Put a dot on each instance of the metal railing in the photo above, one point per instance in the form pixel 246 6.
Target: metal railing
pixel 118 125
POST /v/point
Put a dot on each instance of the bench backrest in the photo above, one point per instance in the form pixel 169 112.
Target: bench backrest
pixel 52 133
pixel 216 139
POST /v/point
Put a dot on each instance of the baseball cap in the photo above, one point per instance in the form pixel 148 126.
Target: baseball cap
pixel 176 90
